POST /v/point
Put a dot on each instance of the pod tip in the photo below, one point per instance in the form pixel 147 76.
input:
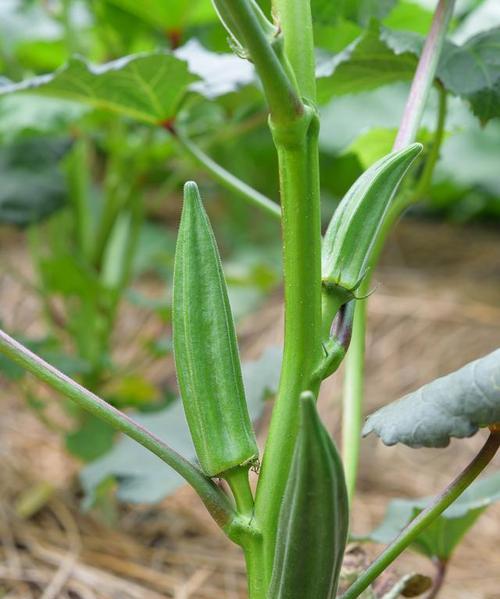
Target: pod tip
pixel 190 187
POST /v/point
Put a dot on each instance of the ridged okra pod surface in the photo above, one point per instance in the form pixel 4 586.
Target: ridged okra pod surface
pixel 314 516
pixel 205 347
pixel 355 225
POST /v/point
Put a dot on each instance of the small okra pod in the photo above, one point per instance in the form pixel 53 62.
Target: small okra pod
pixel 355 225
pixel 336 346
pixel 205 347
pixel 314 516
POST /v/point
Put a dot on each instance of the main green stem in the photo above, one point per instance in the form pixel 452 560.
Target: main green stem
pixel 294 126
pixel 426 517
pixel 410 122
pixel 214 499
pixel 299 183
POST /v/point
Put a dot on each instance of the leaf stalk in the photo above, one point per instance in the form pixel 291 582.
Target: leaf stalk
pixel 427 516
pixel 225 178
pixel 214 499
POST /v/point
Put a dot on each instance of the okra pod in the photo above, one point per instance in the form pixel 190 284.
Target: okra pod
pixel 205 347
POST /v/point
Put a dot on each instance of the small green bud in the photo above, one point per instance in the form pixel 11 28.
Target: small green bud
pixel 205 347
pixel 314 516
pixel 355 225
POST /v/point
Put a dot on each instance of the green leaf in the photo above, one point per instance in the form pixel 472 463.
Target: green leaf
pixel 132 390
pixel 372 145
pixel 440 539
pixel 32 186
pixel 143 478
pixel 381 56
pixel 91 439
pixel 472 71
pixel 314 515
pixel 375 143
pixel 147 87
pixel 455 405
pixel 372 60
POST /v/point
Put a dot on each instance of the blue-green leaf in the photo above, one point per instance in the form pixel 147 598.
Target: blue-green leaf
pixel 455 405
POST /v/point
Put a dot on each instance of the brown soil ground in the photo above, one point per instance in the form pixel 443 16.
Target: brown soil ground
pixel 436 307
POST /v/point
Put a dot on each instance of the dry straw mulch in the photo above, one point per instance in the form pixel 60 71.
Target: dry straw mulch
pixel 436 307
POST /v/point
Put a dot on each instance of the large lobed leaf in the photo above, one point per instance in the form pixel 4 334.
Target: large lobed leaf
pixel 440 538
pixel 455 405
pixel 472 71
pixel 372 60
pixel 380 56
pixel 147 87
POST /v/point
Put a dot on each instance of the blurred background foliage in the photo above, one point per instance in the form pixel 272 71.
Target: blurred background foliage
pixel 96 192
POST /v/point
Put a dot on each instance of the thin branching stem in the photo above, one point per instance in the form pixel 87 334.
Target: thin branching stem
pixel 427 516
pixel 214 499
pixel 225 178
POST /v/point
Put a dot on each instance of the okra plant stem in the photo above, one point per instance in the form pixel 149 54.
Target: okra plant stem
pixel 214 499
pixel 237 479
pixel 299 184
pixel 294 126
pixel 410 122
pixel 426 517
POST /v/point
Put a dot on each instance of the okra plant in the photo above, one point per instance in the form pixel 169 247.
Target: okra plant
pixel 293 525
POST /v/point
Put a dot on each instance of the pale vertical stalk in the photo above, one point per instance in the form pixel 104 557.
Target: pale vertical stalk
pixel 424 75
pixel 410 122
pixel 353 393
